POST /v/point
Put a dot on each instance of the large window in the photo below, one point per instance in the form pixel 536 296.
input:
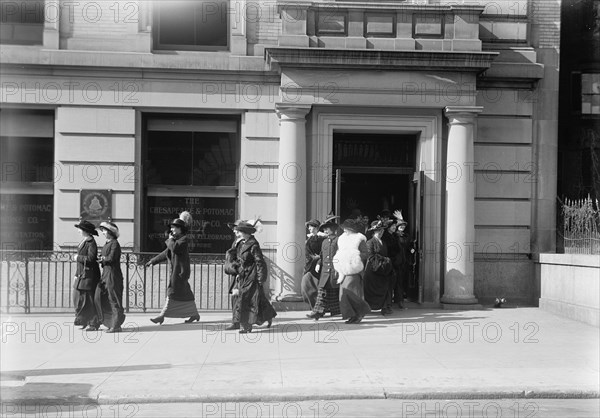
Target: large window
pixel 191 163
pixel 22 22
pixel 26 195
pixel 191 25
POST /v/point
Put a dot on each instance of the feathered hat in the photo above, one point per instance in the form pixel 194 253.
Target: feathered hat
pixel 184 221
pixel 399 219
pixel 249 227
pixel 313 222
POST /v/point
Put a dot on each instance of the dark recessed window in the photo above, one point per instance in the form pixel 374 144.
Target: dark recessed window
pixel 191 25
pixel 27 183
pixel 191 163
pixel 22 22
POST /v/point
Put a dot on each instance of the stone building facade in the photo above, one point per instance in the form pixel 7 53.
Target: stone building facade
pixel 289 110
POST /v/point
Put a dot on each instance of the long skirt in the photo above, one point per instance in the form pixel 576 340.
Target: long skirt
pixel 379 289
pixel 328 300
pixel 251 306
pixel 352 302
pixel 310 288
pixel 109 304
pixel 179 309
pixel 85 309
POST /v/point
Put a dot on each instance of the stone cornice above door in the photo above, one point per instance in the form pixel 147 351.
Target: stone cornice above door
pixel 320 58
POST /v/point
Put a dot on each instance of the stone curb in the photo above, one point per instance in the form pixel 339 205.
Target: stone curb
pixel 295 397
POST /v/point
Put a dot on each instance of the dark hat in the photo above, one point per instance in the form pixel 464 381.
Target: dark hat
pixel 313 222
pixel 87 226
pixel 354 225
pixel 180 223
pixel 385 214
pixel 111 227
pixel 329 222
pixel 376 225
pixel 246 227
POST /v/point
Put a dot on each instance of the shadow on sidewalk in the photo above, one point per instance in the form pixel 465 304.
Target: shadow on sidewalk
pixel 81 370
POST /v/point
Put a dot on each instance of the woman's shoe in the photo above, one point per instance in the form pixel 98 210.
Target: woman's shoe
pixel 91 328
pixel 351 320
pixel 358 319
pixel 192 319
pixel 314 315
pixel 112 330
pixel 269 323
pixel 158 320
pixel 246 331
pixel 232 327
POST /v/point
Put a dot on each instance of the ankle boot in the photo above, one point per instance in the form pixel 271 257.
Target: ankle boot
pixel 193 318
pixel 158 320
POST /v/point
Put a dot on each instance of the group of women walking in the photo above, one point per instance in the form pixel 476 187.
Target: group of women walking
pixel 344 273
pixel 98 298
pixel 349 274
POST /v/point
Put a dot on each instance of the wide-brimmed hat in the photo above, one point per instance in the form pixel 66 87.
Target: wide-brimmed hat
pixel 378 225
pixel 180 223
pixel 329 222
pixel 87 226
pixel 313 222
pixel 354 225
pixel 111 227
pixel 245 227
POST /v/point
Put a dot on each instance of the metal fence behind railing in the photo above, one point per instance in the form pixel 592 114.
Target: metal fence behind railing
pixel 581 231
pixel 39 281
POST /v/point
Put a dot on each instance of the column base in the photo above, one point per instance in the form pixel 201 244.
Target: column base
pixel 459 300
pixel 461 307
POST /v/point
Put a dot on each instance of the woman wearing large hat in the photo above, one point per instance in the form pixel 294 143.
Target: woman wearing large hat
pixel 87 277
pixel 109 294
pixel 328 292
pixel 251 305
pixel 180 301
pixel 312 253
pixel 380 277
pixel 349 263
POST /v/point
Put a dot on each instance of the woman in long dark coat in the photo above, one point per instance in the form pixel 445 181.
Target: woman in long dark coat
pixel 349 263
pixel 87 268
pixel 109 294
pixel 180 301
pixel 251 306
pixel 312 250
pixel 379 272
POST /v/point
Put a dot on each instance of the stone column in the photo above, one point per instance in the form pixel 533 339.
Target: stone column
pixel 460 208
pixel 51 34
pixel 291 199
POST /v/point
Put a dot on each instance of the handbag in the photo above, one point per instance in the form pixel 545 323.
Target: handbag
pixel 84 283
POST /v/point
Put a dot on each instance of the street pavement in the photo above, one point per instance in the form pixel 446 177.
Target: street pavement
pixel 508 353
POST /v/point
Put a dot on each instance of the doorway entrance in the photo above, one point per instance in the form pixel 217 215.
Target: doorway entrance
pixel 376 172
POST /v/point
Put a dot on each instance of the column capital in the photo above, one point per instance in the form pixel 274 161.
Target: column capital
pixel 292 111
pixel 459 115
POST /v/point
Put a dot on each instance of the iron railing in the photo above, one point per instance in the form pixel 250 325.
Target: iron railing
pixel 36 281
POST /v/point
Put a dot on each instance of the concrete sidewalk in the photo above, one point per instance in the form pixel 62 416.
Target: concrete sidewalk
pixel 413 354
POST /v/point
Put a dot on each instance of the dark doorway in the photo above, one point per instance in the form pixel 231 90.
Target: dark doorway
pixel 373 173
pixel 367 193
